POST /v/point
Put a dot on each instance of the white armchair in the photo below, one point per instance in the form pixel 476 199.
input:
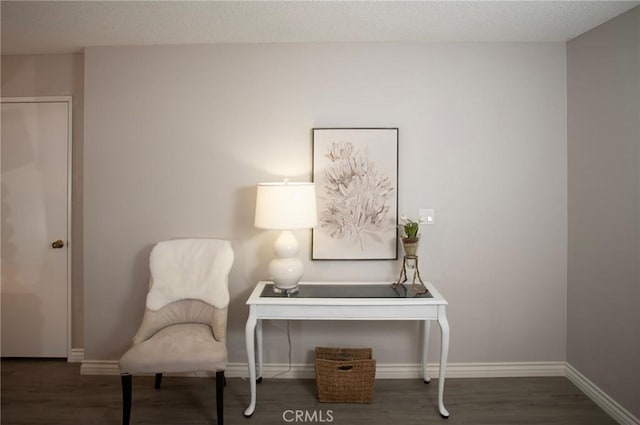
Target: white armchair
pixel 185 320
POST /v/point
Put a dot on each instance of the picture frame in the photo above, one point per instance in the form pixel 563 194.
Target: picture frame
pixel 355 171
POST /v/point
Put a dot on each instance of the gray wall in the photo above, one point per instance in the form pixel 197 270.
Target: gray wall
pixel 603 340
pixel 58 75
pixel 176 139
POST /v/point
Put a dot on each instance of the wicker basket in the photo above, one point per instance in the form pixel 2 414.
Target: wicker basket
pixel 345 375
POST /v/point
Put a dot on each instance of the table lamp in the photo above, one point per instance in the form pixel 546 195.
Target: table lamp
pixel 286 206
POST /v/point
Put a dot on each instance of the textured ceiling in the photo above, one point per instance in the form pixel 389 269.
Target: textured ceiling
pixel 31 27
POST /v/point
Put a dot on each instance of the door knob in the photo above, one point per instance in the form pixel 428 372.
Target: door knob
pixel 57 244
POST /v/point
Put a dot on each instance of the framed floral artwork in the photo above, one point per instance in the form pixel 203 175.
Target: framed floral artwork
pixel 355 171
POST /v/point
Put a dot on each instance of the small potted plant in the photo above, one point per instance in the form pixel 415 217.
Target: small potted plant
pixel 411 237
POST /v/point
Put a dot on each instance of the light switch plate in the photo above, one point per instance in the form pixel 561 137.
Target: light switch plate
pixel 426 215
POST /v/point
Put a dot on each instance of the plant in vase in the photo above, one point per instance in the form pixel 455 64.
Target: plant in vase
pixel 411 237
pixel 410 240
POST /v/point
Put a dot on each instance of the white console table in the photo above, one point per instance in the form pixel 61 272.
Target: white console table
pixel 346 301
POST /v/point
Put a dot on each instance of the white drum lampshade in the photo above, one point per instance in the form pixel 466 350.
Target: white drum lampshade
pixel 286 206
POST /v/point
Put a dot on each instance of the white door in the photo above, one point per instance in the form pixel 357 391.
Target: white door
pixel 35 202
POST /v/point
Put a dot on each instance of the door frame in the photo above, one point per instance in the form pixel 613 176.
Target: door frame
pixel 69 101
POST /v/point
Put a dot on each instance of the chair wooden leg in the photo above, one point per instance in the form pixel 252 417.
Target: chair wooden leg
pixel 220 381
pixel 126 398
pixel 158 381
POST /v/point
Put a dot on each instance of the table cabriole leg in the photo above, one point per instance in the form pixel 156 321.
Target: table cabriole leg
pixel 260 350
pixel 444 351
pixel 249 334
pixel 426 330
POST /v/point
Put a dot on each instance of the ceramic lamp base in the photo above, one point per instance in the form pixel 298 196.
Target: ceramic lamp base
pixel 286 269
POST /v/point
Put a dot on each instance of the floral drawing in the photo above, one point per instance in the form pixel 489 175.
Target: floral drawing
pixel 357 195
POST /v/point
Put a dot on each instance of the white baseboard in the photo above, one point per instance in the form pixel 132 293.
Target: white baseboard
pixel 99 367
pixel 383 371
pixel 499 370
pixel 76 356
pixel 599 397
pixel 413 371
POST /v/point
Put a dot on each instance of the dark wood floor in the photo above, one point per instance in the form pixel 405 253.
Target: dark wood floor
pixel 53 392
